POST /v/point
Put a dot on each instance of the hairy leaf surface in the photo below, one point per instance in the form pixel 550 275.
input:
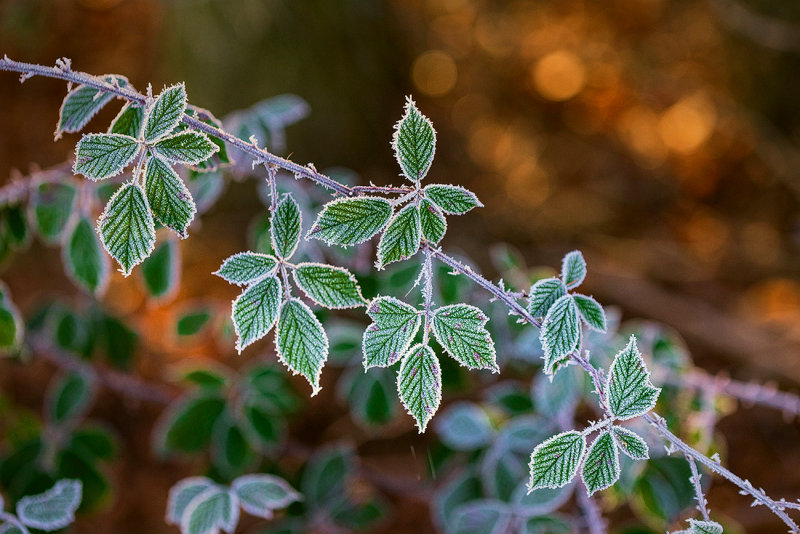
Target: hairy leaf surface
pixel 126 227
pixel 591 312
pixel 99 156
pixel 629 390
pixel 555 461
pixel 256 310
pixel 166 113
pixel 601 466
pixel 394 326
pixel 573 269
pixel 350 221
pixel 170 200
pixel 414 142
pixel 83 103
pixel 128 121
pixel 432 221
pixel 329 286
pixel 453 199
pixel 560 332
pixel 461 330
pixel 246 267
pixel 285 227
pixel 401 239
pixel 543 295
pixel 631 443
pixel 189 148
pixel 301 342
pixel 419 384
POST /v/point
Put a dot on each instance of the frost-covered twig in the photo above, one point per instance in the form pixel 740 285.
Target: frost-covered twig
pixel 702 503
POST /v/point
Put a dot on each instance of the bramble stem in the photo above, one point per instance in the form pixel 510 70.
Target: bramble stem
pixel 702 503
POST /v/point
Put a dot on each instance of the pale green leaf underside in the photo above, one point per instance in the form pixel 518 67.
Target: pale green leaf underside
pixel 329 286
pixel 460 329
pixel 591 312
pixel 394 326
pixel 166 113
pixel 453 199
pixel 414 143
pixel 301 342
pixel 601 466
pixel 560 332
pixel 432 221
pixel 256 310
pixel 555 461
pixel 629 390
pixel 631 443
pixel 419 384
pixel 84 258
pixel 83 103
pixel 401 239
pixel 99 156
pixel 350 221
pixel 543 294
pixel 54 509
pixel 246 267
pixel 182 493
pixel 189 148
pixel 126 227
pixel 129 121
pixel 703 527
pixel 211 510
pixel 573 269
pixel 170 200
pixel 285 227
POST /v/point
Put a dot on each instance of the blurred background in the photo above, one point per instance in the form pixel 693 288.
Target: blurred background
pixel 660 137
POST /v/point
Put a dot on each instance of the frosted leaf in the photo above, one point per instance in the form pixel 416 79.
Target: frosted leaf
pixel 461 330
pixel 591 312
pixel 285 226
pixel 182 493
pixel 350 221
pixel 543 294
pixel 432 221
pixel 83 103
pixel 703 527
pixel 259 494
pixel 419 384
pixel 69 397
pixel 573 269
pixel 189 148
pixel 84 260
pixel 11 525
pixel 170 200
pixel 629 390
pixel 560 332
pixel 601 466
pixel 52 206
pixel 453 199
pixel 166 113
pixel 99 156
pixel 555 461
pixel 255 311
pixel 414 142
pixel 394 326
pixel 128 121
pixel 301 342
pixel 631 443
pixel 328 286
pixel 126 227
pixel 246 267
pixel 401 239
pixel 54 509
pixel 464 426
pixel 213 509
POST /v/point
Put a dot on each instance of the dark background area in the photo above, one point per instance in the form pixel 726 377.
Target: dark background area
pixel 660 137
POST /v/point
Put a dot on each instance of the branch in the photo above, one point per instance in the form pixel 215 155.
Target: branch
pixel 594 519
pixel 702 503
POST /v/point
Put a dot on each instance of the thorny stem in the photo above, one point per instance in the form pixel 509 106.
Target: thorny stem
pixel 427 293
pixel 702 503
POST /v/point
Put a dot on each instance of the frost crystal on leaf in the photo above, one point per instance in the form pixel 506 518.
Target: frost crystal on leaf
pixel 543 294
pixel 328 286
pixel 170 200
pixel 54 509
pixel 246 267
pixel 99 156
pixel 285 227
pixel 166 113
pixel 432 221
pixel 414 142
pixel 555 461
pixel 213 509
pixel 453 199
pixel 401 239
pixel 461 330
pixel 629 390
pixel 255 311
pixel 128 121
pixel 703 527
pixel 301 342
pixel 350 221
pixel 573 269
pixel 126 227
pixel 182 493
pixel 189 148
pixel 259 494
pixel 631 443
pixel 419 384
pixel 591 312
pixel 394 326
pixel 560 332
pixel 601 466
pixel 83 103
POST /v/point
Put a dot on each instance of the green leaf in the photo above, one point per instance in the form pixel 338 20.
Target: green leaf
pixel 461 330
pixel 11 325
pixel 213 509
pixel 182 493
pixel 188 423
pixel 703 527
pixel 85 262
pixel 260 494
pixel 170 200
pixel 601 466
pixel 629 390
pixel 329 286
pixel 126 227
pixel 83 103
pixel 419 384
pixel 96 440
pixel 255 311
pixel 301 342
pixel 326 475
pixel 350 221
pixel 189 148
pixel 464 426
pixel 573 269
pixel 166 113
pixel 264 422
pixel 69 398
pixel 560 332
pixel 630 443
pixel 414 142
pixel 555 461
pixel 543 295
pixel 231 453
pixel 192 322
pixel 246 267
pixel 52 510
pixel 52 207
pixel 453 199
pixel 401 239
pixel 16 226
pixel 432 221
pixel 99 156
pixel 394 326
pixel 285 227
pixel 161 269
pixel 591 312
pixel 128 121
pixel 212 378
